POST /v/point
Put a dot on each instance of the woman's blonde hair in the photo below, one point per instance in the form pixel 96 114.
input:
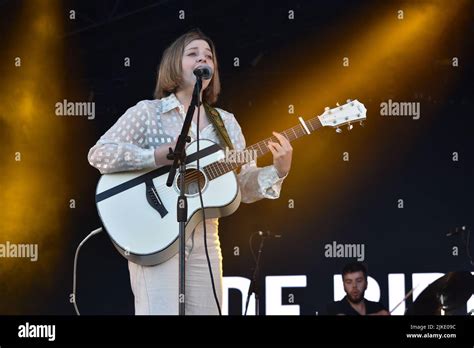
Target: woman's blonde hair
pixel 170 70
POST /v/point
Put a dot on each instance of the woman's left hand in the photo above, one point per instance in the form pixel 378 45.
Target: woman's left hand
pixel 282 153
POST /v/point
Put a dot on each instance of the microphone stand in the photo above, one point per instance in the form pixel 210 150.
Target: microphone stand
pixel 253 287
pixel 179 161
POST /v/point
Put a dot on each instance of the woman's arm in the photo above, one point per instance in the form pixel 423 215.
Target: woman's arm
pixel 255 182
pixel 259 182
pixel 124 147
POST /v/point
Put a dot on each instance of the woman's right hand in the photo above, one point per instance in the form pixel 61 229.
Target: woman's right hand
pixel 161 152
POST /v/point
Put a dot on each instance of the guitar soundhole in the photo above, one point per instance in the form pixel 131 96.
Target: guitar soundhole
pixel 193 180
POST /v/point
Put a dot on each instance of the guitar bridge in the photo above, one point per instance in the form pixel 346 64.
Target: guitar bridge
pixel 154 199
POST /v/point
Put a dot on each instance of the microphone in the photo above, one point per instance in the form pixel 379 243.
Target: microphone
pixel 457 230
pixel 268 234
pixel 204 71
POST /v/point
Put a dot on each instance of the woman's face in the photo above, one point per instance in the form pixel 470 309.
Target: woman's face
pixel 196 54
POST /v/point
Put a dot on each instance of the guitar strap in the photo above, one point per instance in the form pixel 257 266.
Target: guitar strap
pixel 218 124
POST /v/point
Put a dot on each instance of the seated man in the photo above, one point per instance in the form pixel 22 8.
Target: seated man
pixel 354 277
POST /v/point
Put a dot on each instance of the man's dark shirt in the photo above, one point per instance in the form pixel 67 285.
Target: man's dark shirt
pixel 343 307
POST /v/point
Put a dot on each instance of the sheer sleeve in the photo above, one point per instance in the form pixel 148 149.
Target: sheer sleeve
pixel 255 182
pixel 124 146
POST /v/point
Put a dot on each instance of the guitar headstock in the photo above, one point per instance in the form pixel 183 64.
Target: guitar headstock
pixel 349 113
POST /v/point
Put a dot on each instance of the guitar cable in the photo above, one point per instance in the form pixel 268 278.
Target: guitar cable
pixel 204 215
pixel 74 273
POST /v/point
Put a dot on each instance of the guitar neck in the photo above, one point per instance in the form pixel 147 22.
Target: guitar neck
pixel 293 133
pixel 259 149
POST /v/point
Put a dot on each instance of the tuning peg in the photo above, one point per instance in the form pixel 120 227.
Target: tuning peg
pixel 338 130
pixel 362 123
pixel 349 126
pixel 326 108
pixel 348 101
pixel 337 104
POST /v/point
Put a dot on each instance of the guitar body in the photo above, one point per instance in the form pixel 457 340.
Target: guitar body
pixel 139 211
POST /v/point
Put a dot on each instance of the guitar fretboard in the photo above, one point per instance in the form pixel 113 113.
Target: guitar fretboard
pixel 216 169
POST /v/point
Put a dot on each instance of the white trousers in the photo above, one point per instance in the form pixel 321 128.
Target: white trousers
pixel 155 288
